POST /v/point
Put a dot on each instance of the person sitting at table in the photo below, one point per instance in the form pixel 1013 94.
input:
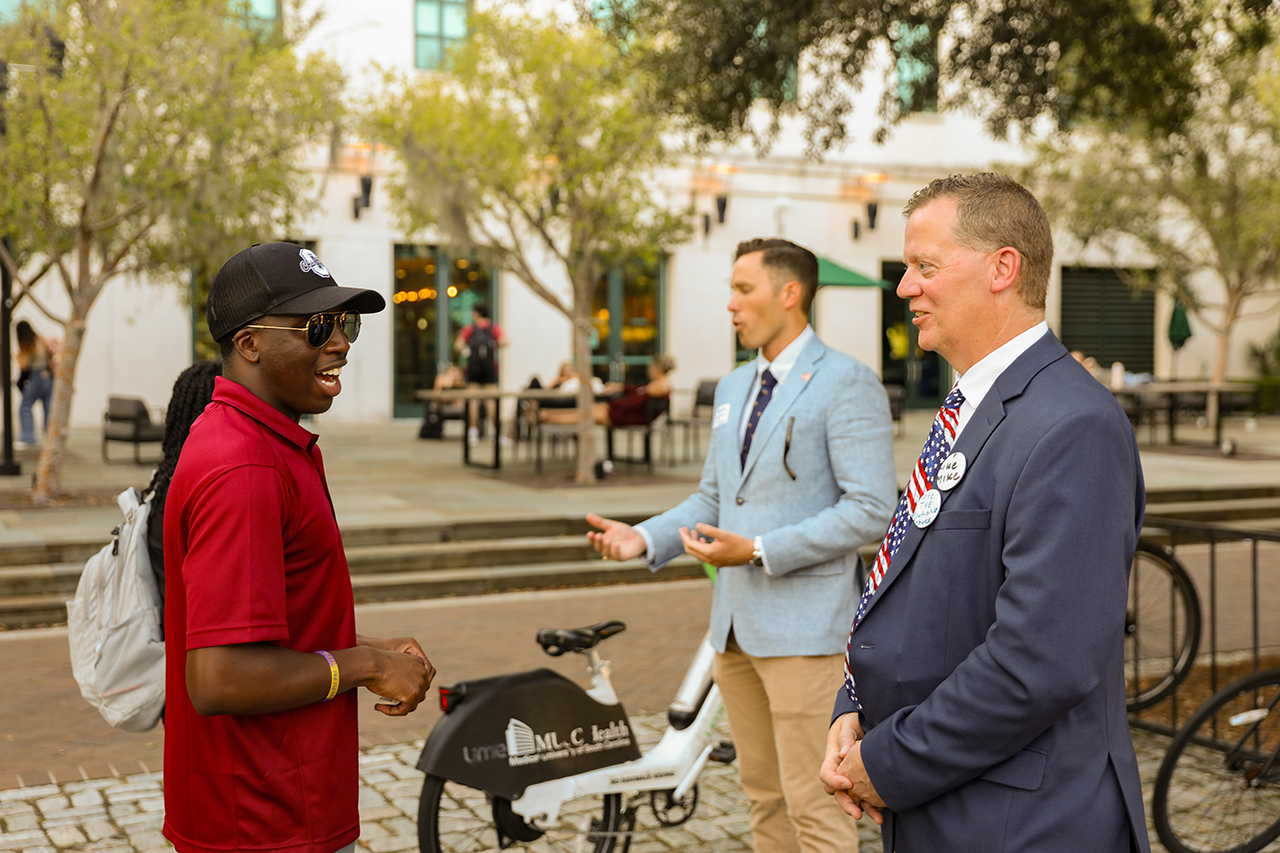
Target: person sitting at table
pixel 631 407
pixel 569 382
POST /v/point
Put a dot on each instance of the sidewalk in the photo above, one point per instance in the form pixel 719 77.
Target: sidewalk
pixel 67 781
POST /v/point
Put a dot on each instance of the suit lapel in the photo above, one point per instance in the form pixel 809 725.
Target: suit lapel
pixel 784 395
pixel 1010 384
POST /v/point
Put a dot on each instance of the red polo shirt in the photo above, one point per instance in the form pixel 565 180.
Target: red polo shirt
pixel 253 555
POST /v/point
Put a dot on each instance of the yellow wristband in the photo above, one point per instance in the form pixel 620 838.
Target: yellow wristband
pixel 333 675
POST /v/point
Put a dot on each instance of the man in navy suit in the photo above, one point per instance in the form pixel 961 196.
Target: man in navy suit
pixel 984 705
pixel 798 476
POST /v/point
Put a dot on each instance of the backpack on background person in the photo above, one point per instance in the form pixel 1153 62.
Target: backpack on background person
pixel 113 625
pixel 484 348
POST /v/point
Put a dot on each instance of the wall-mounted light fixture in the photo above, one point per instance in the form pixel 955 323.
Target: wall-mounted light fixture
pixel 713 181
pixel 866 189
pixel 361 202
pixel 873 181
pixel 358 157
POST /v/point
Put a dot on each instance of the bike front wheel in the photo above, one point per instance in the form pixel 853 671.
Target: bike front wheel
pixel 453 818
pixel 1218 789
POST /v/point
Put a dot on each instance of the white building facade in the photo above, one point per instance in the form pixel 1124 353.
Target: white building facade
pixel 141 334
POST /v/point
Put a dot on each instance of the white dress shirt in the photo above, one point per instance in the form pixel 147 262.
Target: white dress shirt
pixel 978 380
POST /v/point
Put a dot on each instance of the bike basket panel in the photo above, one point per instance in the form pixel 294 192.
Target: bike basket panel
pixel 516 730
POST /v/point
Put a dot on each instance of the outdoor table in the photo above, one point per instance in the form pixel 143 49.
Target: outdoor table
pixel 449 395
pixel 1178 391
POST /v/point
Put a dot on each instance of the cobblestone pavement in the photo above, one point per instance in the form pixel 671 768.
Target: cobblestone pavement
pixel 125 813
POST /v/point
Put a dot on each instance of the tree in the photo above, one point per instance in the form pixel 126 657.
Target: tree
pixel 1017 61
pixel 542 142
pixel 141 137
pixel 1200 204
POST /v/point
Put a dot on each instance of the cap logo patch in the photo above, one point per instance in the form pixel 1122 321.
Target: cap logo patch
pixel 310 263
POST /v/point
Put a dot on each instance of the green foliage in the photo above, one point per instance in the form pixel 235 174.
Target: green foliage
pixel 543 141
pixel 167 128
pixel 144 138
pixel 1201 202
pixel 1015 62
pixel 541 134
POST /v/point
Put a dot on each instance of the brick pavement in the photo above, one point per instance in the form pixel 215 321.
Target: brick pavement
pixel 125 814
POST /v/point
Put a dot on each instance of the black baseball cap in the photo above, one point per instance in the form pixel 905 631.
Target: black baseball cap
pixel 278 278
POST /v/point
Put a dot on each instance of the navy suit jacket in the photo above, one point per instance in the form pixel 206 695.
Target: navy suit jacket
pixel 989 663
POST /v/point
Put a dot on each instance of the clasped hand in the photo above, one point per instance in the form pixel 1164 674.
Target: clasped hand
pixel 843 774
pixel 404 674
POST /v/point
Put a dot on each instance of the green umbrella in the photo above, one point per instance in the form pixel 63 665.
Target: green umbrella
pixel 1179 327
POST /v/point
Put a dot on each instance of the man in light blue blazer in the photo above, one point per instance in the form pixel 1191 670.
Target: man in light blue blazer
pixel 985 708
pixel 799 475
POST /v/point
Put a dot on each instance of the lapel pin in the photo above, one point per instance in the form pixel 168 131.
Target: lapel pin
pixel 804 377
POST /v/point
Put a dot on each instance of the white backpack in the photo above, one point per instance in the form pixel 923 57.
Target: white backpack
pixel 113 624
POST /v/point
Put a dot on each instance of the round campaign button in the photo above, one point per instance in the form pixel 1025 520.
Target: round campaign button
pixel 951 471
pixel 927 508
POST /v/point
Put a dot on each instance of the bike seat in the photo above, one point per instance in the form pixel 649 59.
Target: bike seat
pixel 557 641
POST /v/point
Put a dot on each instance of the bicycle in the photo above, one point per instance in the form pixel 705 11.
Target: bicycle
pixel 530 759
pixel 1162 626
pixel 1218 788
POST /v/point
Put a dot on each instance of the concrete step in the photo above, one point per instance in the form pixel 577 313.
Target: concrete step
pixel 40 579
pixel 477 579
pixel 481 555
pixel 79 549
pixel 428 556
pixel 30 611
pixel 1234 510
pixel 1160 497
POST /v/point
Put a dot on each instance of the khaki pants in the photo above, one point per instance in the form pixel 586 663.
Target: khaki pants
pixel 779 710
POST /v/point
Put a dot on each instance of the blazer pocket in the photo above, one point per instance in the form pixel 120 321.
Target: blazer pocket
pixel 963 519
pixel 1023 770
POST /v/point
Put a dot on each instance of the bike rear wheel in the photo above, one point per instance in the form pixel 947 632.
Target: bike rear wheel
pixel 1162 626
pixel 453 818
pixel 1218 788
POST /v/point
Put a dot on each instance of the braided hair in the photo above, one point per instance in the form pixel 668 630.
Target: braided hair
pixel 191 393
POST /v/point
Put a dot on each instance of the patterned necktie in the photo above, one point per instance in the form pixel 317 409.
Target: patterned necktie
pixel 767 383
pixel 936 448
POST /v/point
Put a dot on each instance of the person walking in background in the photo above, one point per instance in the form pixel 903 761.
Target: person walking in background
pixel 984 707
pixel 799 474
pixel 192 391
pixel 262 655
pixel 479 341
pixel 35 381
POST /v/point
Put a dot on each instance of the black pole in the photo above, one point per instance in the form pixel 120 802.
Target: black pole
pixel 8 468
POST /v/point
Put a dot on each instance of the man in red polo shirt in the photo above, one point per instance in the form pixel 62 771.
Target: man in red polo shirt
pixel 260 719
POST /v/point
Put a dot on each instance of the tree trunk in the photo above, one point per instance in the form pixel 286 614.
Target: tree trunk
pixel 49 469
pixel 1221 350
pixel 586 472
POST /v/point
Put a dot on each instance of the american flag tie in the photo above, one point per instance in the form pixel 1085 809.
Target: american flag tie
pixel 936 449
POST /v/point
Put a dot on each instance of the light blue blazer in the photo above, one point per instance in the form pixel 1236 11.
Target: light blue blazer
pixel 843 494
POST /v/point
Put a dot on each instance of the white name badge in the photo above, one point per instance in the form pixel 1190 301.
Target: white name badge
pixel 927 508
pixel 951 471
pixel 721 416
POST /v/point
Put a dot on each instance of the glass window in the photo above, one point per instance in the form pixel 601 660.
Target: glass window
pixel 438 24
pixel 626 313
pixel 916 49
pixel 431 301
